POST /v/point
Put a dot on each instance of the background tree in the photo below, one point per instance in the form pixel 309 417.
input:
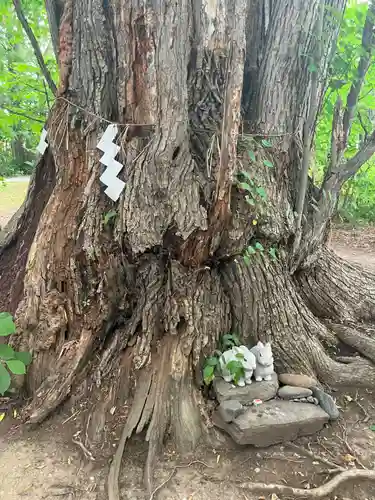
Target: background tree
pixel 25 97
pixel 217 104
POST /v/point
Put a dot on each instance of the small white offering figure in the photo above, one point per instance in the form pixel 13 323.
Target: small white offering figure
pixel 264 361
pixel 242 355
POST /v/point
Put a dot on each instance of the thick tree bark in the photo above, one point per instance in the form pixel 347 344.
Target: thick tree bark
pixel 134 305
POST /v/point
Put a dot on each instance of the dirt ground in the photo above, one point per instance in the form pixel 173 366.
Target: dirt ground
pixel 51 463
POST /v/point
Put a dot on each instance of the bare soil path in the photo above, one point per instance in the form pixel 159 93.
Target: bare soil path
pixel 47 464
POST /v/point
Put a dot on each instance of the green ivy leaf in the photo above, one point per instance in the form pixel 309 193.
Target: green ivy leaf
pixel 247 176
pixel 268 164
pixel 272 252
pixel 251 250
pixel 312 68
pixel 266 143
pixel 6 352
pixel 208 374
pixel 252 156
pixel 4 379
pixel 211 361
pixel 261 192
pixel 16 366
pixel 246 259
pixel 109 216
pixel 7 326
pixel 259 246
pixel 24 356
pixel 244 185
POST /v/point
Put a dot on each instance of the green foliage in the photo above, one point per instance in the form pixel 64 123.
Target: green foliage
pixel 254 194
pixel 108 217
pixel 11 361
pixel 211 364
pixel 24 96
pixel 236 369
pixel 252 250
pixel 358 197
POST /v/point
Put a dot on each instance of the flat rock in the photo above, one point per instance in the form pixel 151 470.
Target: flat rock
pixel 273 422
pixel 297 380
pixel 327 403
pixel 291 392
pixel 264 390
pixel 229 410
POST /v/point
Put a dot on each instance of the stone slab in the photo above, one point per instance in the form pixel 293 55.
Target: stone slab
pixel 292 392
pixel 264 390
pixel 274 422
pixel 297 380
pixel 327 403
pixel 230 409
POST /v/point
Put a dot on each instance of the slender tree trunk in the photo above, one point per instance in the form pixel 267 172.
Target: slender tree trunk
pixel 134 304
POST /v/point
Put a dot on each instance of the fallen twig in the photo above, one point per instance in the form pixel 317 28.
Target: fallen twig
pixel 86 452
pixel 320 492
pixel 344 439
pixel 360 405
pixel 314 456
pixel 182 466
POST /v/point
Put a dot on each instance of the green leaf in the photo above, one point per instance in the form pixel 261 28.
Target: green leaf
pixel 208 374
pixel 24 356
pixel 312 68
pixel 247 176
pixel 266 143
pixel 211 361
pixel 251 250
pixel 268 164
pixel 372 428
pixel 252 156
pixel 4 379
pixel 272 252
pixel 246 260
pixel 6 352
pixel 259 246
pixel 244 185
pixel 7 326
pixel 16 366
pixel 261 192
pixel 108 216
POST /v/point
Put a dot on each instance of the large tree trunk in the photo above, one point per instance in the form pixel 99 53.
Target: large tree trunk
pixel 134 305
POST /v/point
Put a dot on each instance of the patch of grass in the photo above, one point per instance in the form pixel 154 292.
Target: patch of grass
pixel 12 195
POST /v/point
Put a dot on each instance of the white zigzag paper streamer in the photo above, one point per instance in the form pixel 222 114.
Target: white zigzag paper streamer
pixel 115 186
pixel 43 145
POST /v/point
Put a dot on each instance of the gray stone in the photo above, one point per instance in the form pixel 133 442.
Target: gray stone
pixel 229 410
pixel 291 392
pixel 297 380
pixel 273 422
pixel 327 403
pixel 264 390
pixel 310 399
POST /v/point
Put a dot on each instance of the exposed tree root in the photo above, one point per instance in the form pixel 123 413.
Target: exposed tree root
pixel 267 304
pixel 354 337
pixel 338 290
pixel 320 492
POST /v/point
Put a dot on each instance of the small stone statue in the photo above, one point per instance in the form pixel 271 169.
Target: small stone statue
pixel 245 357
pixel 264 361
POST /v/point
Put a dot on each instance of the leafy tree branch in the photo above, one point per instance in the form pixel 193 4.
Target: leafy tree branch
pixel 38 54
